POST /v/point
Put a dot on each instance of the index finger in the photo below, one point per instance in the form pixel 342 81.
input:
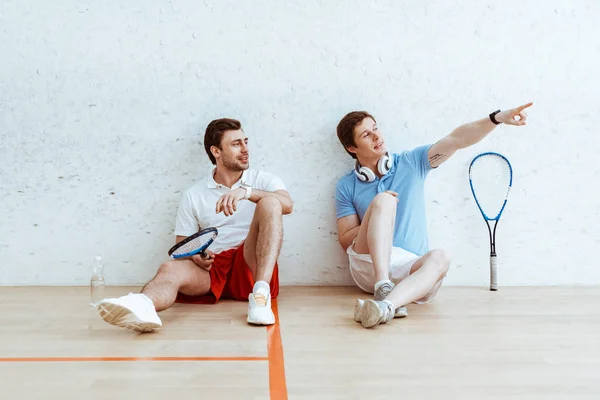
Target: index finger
pixel 524 106
pixel 218 206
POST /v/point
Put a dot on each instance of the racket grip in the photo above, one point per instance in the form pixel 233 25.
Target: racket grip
pixel 203 255
pixel 493 272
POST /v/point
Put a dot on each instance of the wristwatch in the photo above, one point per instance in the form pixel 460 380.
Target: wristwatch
pixel 248 190
pixel 493 117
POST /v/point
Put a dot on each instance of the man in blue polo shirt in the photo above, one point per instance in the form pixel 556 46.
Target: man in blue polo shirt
pixel 380 210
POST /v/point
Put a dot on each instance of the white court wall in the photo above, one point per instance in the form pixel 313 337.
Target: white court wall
pixel 103 106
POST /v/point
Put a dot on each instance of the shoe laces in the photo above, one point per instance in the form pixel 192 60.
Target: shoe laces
pixel 260 299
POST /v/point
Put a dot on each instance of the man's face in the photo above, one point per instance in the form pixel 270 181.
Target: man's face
pixel 234 154
pixel 369 140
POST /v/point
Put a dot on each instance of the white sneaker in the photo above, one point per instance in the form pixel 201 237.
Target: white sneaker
pixel 134 311
pixel 376 312
pixel 358 306
pixel 400 312
pixel 259 314
pixel 383 290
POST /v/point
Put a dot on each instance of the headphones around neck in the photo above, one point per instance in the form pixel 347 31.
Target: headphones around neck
pixel 366 175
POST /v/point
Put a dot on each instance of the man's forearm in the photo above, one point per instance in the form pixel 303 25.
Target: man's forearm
pixel 286 203
pixel 468 134
pixel 473 132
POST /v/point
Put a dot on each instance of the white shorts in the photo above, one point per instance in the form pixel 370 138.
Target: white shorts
pixel 401 261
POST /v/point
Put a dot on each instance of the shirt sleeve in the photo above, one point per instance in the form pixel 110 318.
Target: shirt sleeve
pixel 343 202
pixel 186 223
pixel 269 182
pixel 418 158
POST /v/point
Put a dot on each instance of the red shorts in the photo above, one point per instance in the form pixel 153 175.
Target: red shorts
pixel 230 278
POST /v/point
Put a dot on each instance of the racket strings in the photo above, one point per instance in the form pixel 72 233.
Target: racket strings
pixel 491 179
pixel 194 244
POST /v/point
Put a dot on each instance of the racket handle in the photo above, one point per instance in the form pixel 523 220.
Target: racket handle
pixel 203 255
pixel 493 273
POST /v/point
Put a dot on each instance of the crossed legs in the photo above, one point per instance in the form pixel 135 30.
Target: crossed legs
pixel 375 238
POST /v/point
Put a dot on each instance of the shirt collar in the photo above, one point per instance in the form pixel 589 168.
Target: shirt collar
pixel 210 181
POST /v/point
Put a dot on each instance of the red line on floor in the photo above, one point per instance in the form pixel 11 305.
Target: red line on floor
pixel 277 385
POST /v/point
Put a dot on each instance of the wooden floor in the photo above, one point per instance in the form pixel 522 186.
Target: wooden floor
pixel 518 343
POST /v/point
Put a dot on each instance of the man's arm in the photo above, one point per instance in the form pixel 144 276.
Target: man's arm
pixel 347 230
pixel 473 132
pixel 228 202
pixel 282 195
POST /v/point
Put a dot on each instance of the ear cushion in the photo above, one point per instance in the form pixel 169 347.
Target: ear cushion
pixel 364 173
pixel 384 164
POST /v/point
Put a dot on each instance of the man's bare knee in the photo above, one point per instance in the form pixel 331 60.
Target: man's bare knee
pixel 441 260
pixel 167 267
pixel 169 271
pixel 269 205
pixel 189 278
pixel 385 201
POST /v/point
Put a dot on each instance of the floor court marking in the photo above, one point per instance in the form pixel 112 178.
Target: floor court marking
pixel 277 385
pixel 90 359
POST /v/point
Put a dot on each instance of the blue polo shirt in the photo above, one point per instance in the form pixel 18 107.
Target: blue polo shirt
pixel 407 178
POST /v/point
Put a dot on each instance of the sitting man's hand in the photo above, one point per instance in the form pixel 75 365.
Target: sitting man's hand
pixel 228 202
pixel 204 263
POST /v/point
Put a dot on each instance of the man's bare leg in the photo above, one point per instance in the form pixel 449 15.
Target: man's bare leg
pixel 176 276
pixel 261 250
pixel 376 232
pixel 138 311
pixel 426 272
pixel 265 236
pixel 375 238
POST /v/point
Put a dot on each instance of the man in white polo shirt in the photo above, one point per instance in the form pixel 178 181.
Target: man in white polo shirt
pixel 246 206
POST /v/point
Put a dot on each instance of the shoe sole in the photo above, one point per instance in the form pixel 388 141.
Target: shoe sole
pixel 258 322
pixel 358 309
pixel 371 314
pixel 118 315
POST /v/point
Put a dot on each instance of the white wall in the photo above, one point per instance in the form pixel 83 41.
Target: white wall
pixel 103 106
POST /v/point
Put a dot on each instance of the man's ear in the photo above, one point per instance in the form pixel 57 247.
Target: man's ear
pixel 351 149
pixel 216 152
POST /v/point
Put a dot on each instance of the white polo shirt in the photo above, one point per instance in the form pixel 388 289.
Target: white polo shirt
pixel 198 203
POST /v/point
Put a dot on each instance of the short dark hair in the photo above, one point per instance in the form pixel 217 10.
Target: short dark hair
pixel 214 134
pixel 345 129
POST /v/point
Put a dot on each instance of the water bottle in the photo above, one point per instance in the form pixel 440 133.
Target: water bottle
pixel 97 283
